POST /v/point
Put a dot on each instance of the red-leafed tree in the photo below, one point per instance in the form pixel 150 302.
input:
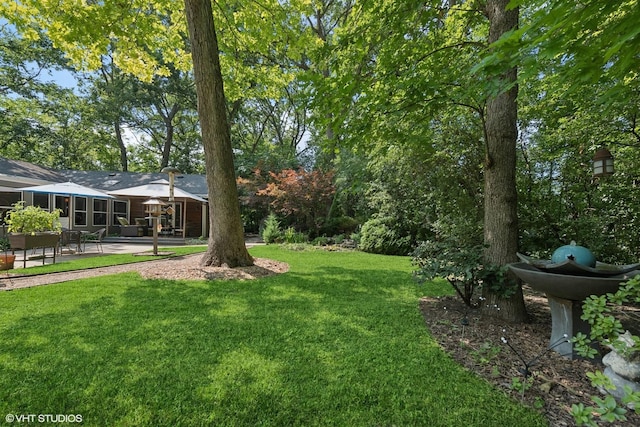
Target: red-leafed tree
pixel 303 198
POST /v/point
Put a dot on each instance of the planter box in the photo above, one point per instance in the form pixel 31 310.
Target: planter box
pixel 31 241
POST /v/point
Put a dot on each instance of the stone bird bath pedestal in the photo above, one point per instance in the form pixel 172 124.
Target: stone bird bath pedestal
pixel 567 284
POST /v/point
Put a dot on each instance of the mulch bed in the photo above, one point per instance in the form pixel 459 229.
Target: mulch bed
pixel 475 341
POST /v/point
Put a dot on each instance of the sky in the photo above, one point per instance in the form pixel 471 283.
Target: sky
pixel 61 77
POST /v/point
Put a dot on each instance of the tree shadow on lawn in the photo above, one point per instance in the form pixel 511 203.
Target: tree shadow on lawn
pixel 333 347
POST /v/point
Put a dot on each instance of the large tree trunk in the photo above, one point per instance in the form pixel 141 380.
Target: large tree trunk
pixel 500 206
pixel 226 236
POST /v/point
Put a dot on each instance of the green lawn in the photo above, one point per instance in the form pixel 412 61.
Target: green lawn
pixel 336 341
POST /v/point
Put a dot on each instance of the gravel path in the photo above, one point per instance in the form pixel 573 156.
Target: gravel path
pixel 173 268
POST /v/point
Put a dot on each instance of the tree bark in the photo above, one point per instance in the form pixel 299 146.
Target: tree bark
pixel 124 163
pixel 500 198
pixel 226 235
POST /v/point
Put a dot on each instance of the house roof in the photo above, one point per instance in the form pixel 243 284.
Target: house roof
pixel 113 181
pixel 17 173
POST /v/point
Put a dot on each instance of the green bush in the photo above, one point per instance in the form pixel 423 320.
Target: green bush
pixel 339 225
pixel 320 241
pixel 462 266
pixel 271 232
pixel 378 237
pixel 290 235
pixel 32 219
pixel 606 329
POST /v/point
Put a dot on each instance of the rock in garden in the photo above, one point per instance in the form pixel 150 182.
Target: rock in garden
pixel 621 366
pixel 619 392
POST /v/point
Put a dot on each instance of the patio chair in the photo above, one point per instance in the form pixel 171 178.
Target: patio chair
pixel 95 237
pixel 70 242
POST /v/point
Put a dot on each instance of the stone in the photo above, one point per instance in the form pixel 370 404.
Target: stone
pixel 621 366
pixel 629 341
pixel 619 383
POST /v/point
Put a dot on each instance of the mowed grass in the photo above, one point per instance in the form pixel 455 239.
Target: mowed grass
pixel 336 341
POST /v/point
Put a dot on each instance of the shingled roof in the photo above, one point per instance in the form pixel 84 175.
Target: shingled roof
pixel 23 173
pixel 18 173
pixel 110 181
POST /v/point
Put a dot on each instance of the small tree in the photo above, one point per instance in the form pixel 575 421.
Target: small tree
pixel 304 197
pixel 271 232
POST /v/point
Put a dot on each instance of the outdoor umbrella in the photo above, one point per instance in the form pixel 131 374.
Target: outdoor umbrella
pixel 155 189
pixel 68 189
pixel 159 190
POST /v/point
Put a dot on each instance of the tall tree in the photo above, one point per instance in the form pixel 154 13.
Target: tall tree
pixel 141 30
pixel 500 193
pixel 226 239
pixel 403 67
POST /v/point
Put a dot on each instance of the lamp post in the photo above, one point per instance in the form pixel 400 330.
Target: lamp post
pixel 602 163
pixel 172 177
pixel 154 208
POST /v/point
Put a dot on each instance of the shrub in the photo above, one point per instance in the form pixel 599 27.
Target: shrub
pixel 377 237
pixel 302 197
pixel 290 235
pixel 320 241
pixel 338 239
pixel 461 266
pixel 271 232
pixel 339 225
pixel 32 219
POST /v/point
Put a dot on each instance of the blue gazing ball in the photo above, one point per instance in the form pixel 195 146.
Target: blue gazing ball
pixel 579 254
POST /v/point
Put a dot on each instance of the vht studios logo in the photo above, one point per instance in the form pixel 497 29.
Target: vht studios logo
pixel 43 418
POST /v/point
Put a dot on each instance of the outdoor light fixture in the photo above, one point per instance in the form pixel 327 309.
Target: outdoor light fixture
pixel 602 163
pixel 154 208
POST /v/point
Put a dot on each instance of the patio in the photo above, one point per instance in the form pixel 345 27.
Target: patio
pixel 113 245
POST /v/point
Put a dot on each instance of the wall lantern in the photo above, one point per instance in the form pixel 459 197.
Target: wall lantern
pixel 602 163
pixel 154 209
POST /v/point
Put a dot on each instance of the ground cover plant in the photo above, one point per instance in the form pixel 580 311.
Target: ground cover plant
pixel 338 340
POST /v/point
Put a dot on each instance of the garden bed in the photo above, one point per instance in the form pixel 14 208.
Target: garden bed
pixel 475 341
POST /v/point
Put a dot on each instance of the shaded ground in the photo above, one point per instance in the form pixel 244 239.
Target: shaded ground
pixel 174 268
pixel 475 342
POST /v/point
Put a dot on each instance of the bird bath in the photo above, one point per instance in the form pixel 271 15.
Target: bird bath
pixel 567 284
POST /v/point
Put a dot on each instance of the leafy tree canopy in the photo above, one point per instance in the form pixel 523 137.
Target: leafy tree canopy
pixel 583 42
pixel 139 32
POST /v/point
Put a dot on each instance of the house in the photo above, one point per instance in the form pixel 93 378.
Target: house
pixel 88 212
